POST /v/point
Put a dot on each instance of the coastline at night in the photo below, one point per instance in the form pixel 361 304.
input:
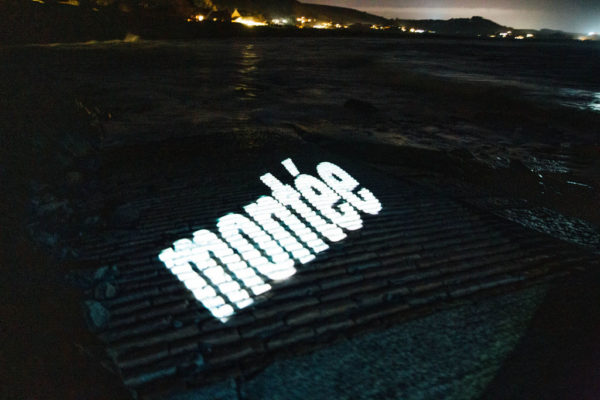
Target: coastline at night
pixel 80 21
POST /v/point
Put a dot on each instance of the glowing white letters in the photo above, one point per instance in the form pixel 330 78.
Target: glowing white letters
pixel 223 273
pixel 281 265
pixel 344 184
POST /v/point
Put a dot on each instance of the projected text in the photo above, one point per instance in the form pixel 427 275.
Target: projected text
pixel 225 272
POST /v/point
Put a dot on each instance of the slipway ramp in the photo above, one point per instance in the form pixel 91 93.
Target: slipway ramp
pixel 423 252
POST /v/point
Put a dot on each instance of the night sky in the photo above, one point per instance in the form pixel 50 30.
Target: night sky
pixel 580 16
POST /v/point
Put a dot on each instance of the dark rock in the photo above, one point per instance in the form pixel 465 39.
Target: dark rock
pixel 360 106
pixel 91 221
pixel 97 316
pixel 105 290
pixel 106 273
pixel 68 253
pixel 80 280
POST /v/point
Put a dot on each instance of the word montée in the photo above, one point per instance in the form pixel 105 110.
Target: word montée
pixel 225 271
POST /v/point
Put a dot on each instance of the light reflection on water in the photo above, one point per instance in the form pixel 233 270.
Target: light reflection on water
pixel 248 67
pixel 595 104
pixel 246 83
pixel 578 98
pixel 555 73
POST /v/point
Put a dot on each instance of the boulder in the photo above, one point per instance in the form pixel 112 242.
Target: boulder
pixel 97 316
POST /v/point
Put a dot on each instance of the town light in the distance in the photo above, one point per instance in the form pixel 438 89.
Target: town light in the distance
pixel 248 22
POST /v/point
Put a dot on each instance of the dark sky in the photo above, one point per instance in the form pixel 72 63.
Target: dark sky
pixel 569 15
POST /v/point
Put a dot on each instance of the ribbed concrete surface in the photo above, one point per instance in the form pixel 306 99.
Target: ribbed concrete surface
pixel 422 252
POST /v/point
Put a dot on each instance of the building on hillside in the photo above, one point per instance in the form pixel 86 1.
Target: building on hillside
pixel 219 16
pixel 248 20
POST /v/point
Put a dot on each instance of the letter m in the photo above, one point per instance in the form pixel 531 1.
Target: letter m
pixel 195 264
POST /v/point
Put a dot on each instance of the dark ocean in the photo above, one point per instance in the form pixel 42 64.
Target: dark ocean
pixel 497 99
pixel 479 89
pixel 265 70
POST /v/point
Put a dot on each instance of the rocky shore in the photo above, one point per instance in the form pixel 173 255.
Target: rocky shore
pixel 490 199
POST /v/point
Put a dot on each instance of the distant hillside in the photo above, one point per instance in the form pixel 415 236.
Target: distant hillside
pixel 294 9
pixel 456 26
pixel 36 21
pixel 478 26
pixel 338 14
pixel 268 8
